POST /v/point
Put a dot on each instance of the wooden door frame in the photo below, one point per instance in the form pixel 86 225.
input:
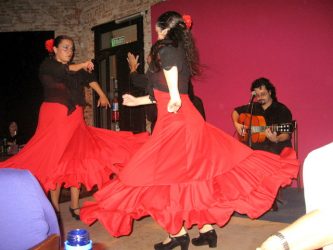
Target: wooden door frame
pixel 105 53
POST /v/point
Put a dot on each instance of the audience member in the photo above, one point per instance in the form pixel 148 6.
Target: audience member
pixel 314 229
pixel 261 115
pixel 14 140
pixel 26 215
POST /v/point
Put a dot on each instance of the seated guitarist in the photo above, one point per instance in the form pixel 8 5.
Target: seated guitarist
pixel 273 112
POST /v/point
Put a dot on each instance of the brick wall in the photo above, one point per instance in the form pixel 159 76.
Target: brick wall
pixel 73 18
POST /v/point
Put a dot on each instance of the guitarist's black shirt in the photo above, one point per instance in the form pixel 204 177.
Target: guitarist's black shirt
pixel 276 113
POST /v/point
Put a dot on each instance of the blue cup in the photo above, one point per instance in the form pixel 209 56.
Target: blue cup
pixel 78 239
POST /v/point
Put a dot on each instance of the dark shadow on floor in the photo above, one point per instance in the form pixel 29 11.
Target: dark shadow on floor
pixel 291 207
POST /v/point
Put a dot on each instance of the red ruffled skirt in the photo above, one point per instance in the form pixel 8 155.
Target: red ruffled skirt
pixel 190 172
pixel 65 150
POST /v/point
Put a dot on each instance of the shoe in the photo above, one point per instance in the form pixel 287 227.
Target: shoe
pixel 209 238
pixel 183 241
pixel 74 215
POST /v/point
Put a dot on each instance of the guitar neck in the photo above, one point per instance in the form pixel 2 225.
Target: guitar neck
pixel 258 129
pixel 286 127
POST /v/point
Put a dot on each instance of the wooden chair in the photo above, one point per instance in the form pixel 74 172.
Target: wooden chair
pixel 50 243
pixel 279 197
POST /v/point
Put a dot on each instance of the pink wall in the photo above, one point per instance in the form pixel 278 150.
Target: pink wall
pixel 288 41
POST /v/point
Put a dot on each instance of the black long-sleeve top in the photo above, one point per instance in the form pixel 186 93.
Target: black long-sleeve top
pixel 62 85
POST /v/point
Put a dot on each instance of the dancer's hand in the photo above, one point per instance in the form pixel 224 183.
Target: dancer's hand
pixel 129 100
pixel 88 66
pixel 103 101
pixel 132 62
pixel 174 105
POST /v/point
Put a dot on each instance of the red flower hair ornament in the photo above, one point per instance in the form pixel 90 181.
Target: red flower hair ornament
pixel 188 21
pixel 49 45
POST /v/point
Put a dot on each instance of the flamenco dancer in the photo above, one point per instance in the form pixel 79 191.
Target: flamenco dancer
pixel 188 172
pixel 64 150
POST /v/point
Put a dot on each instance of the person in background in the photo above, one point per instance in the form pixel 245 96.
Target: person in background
pixel 314 229
pixel 12 133
pixel 26 215
pixel 267 106
pixel 14 140
pixel 64 150
pixel 141 80
pixel 266 111
pixel 188 172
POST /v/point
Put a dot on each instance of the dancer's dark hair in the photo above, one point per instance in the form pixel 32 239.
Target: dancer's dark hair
pixel 58 40
pixel 178 35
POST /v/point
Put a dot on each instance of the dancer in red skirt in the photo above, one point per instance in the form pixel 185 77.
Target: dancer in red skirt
pixel 188 172
pixel 64 150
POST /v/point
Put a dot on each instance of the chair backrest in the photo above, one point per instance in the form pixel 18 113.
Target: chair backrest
pixel 295 145
pixel 50 243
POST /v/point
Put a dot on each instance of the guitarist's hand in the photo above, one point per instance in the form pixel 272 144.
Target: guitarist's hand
pixel 241 128
pixel 272 136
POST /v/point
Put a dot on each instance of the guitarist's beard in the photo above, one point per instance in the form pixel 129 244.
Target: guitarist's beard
pixel 261 101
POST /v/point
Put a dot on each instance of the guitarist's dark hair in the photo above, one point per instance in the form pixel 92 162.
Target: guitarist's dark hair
pixel 265 82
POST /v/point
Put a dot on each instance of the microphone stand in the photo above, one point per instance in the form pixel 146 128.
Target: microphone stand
pixel 250 111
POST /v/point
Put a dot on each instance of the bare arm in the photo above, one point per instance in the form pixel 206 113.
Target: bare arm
pixel 311 231
pixel 171 77
pixel 103 101
pixel 132 101
pixel 87 66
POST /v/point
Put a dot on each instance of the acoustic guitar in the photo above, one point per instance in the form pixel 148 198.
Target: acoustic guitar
pixel 258 127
